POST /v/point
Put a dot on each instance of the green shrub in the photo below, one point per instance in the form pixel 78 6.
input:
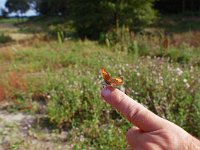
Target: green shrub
pixel 122 39
pixel 5 39
pixel 66 29
pixel 72 79
pixel 169 90
pixel 179 55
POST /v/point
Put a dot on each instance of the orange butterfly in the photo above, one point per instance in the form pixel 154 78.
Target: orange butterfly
pixel 109 80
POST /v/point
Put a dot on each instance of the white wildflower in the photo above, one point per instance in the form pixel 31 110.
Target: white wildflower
pixel 179 71
pixel 187 85
pixel 185 80
pixel 82 138
pixel 136 93
pixel 138 74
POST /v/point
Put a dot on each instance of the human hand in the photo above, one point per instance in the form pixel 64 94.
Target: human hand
pixel 150 132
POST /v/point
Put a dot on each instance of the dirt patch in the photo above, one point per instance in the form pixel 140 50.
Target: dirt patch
pixel 13 118
pixel 6 25
pixel 17 131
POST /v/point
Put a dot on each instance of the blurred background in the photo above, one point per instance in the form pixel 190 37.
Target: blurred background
pixel 51 53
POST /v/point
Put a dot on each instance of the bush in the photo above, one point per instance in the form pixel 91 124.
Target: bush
pixel 66 29
pixel 5 39
pixel 169 90
pixel 122 39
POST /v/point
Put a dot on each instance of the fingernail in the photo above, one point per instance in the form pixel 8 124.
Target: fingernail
pixel 106 92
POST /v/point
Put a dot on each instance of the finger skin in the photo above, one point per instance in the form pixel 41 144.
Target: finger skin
pixel 132 110
pixel 133 136
pixel 151 131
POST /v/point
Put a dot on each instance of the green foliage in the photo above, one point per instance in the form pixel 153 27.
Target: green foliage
pixel 50 26
pixel 91 18
pixel 141 44
pixel 122 39
pixel 17 6
pixel 61 38
pixel 65 30
pixel 72 79
pixel 71 99
pixel 178 56
pixel 5 39
pixel 51 7
pixel 95 17
pixel 3 13
pixel 167 84
pixel 13 20
pixel 167 89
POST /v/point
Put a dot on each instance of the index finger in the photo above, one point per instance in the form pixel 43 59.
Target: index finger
pixel 136 113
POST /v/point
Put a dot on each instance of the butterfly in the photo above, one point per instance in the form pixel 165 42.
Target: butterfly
pixel 109 80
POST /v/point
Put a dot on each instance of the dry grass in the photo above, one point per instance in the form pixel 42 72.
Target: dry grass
pixel 16 81
pixel 192 39
pixel 2 93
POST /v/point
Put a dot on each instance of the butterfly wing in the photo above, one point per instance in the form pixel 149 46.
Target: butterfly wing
pixel 109 80
pixel 117 81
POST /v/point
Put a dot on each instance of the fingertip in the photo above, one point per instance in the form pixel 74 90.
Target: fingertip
pixel 106 91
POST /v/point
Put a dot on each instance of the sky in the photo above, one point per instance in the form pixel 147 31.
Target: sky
pixel 28 13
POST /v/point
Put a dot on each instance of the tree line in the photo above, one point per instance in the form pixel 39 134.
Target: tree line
pixel 62 7
pixel 177 6
pixel 94 16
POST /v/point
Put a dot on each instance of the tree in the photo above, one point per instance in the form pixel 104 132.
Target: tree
pixel 91 17
pixel 4 12
pixel 17 6
pixel 51 7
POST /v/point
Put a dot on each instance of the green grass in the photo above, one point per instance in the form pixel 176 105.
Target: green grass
pixel 13 20
pixel 49 25
pixel 168 84
pixel 71 76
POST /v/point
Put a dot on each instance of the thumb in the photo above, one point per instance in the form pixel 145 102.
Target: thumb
pixel 134 137
pixel 137 114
